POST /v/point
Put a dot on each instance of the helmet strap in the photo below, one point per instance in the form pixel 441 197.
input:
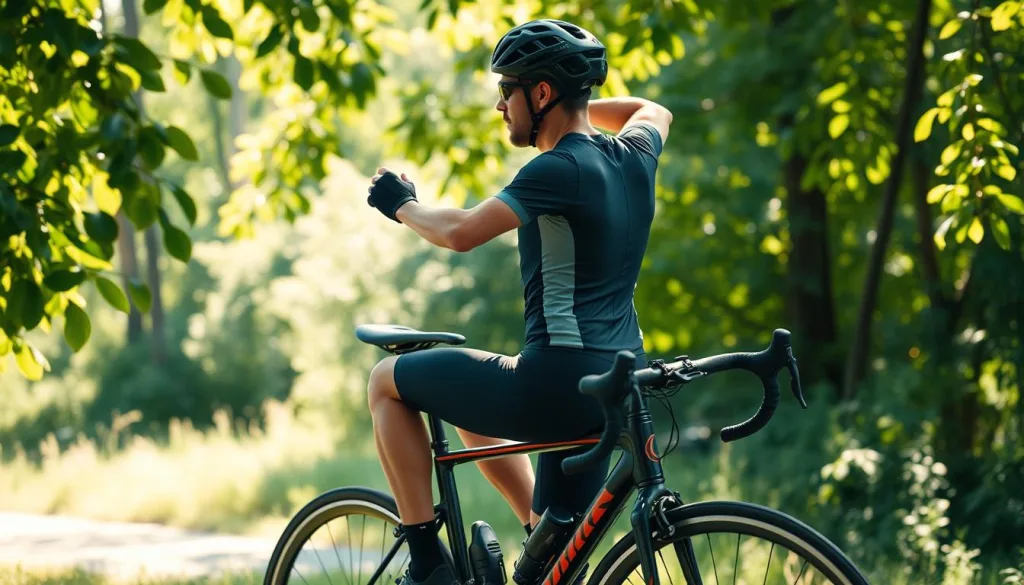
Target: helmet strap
pixel 537 117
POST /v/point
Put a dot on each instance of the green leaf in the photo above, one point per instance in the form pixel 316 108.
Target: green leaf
pixel 940 233
pixel 215 84
pixel 1002 16
pixel 187 204
pixel 1011 202
pixel 1007 172
pixel 1000 230
pixel 950 153
pixel 139 53
pixel 838 125
pixel 950 28
pixel 176 241
pixel 151 147
pixel 182 71
pixel 936 193
pixel 77 327
pixel 64 280
pixel 215 24
pixel 142 211
pixel 31 362
pixel 101 226
pixel 152 81
pixel 112 294
pixel 25 304
pixel 140 295
pixel 151 6
pixel 832 93
pixel 991 125
pixel 8 134
pixel 303 73
pixel 923 129
pixel 976 232
pixel 271 42
pixel 308 16
pixel 181 143
pixel 12 161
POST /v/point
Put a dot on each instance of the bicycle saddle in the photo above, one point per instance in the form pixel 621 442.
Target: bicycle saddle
pixel 398 339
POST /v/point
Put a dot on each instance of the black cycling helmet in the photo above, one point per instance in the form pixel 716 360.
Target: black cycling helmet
pixel 559 52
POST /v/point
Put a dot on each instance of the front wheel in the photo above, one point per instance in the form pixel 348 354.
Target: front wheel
pixel 732 542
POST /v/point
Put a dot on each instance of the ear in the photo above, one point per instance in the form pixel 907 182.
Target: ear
pixel 544 93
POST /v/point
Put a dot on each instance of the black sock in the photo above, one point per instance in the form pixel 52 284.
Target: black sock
pixel 527 528
pixel 424 552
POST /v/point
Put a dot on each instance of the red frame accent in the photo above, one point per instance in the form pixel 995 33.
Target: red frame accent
pixel 466 455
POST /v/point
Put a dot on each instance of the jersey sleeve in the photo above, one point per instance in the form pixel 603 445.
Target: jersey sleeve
pixel 547 185
pixel 643 137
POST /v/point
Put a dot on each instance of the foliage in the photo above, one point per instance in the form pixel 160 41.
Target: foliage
pixel 770 193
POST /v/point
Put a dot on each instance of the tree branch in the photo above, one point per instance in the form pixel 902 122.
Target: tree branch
pixel 858 357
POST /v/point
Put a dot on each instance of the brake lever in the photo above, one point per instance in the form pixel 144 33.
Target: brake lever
pixel 794 377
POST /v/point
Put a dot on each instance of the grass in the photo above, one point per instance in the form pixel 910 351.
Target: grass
pixel 20 576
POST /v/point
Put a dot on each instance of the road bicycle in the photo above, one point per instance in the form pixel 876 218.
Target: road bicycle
pixel 713 541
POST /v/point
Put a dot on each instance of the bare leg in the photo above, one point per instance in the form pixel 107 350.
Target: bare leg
pixel 403 446
pixel 512 475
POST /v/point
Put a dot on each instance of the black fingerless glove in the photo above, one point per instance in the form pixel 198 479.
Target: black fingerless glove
pixel 389 193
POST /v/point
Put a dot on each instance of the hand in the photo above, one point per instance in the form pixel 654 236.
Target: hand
pixel 388 192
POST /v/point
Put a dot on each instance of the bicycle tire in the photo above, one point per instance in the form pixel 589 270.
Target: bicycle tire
pixel 327 506
pixel 733 517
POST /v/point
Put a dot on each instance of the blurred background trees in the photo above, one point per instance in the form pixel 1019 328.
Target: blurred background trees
pixel 183 227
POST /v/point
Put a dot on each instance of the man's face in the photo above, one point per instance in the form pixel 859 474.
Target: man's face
pixel 512 105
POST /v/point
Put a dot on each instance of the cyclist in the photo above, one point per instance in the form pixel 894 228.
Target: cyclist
pixel 583 209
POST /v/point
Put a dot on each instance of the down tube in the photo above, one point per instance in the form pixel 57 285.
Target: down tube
pixel 598 519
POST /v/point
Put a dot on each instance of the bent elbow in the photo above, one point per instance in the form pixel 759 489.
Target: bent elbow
pixel 460 239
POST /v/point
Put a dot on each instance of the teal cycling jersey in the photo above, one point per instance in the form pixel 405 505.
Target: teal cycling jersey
pixel 586 208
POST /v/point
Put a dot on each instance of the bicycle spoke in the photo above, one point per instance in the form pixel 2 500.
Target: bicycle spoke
pixel 296 569
pixel 348 527
pixel 362 535
pixel 736 564
pixel 769 564
pixel 382 541
pixel 664 564
pixel 713 564
pixel 800 577
pixel 334 544
pixel 322 566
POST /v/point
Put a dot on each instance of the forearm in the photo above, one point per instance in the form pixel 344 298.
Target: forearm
pixel 612 113
pixel 436 225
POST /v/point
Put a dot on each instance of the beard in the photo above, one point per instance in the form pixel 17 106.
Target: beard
pixel 519 135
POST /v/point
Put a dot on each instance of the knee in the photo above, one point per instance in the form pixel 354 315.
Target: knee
pixel 382 382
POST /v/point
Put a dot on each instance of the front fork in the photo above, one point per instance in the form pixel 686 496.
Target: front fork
pixel 648 514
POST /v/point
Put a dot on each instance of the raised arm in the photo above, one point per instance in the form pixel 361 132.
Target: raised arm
pixel 614 114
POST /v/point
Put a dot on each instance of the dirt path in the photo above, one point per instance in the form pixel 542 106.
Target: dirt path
pixel 124 549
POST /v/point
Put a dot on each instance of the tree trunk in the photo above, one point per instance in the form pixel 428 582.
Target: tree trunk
pixel 856 363
pixel 810 297
pixel 225 148
pixel 126 248
pixel 129 271
pixel 152 239
pixel 810 304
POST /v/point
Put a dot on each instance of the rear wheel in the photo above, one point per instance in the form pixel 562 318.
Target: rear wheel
pixel 347 536
pixel 732 543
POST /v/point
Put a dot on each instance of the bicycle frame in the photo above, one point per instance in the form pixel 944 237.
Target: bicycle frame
pixel 631 472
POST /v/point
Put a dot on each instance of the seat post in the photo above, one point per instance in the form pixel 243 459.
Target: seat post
pixel 438 439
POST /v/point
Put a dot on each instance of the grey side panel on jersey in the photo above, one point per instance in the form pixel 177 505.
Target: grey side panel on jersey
pixel 558 270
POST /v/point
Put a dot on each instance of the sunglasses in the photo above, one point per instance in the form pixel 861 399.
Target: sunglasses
pixel 505 88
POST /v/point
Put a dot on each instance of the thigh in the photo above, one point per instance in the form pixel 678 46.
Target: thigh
pixel 474 390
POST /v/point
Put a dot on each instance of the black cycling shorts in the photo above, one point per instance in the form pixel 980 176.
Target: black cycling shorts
pixel 532 396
